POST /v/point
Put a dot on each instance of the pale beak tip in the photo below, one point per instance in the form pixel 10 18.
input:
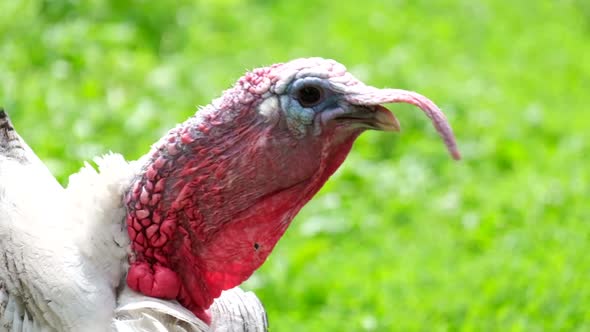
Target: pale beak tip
pixel 396 126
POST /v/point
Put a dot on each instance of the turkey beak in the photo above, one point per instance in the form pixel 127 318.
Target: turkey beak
pixel 371 99
pixel 374 117
pixel 385 120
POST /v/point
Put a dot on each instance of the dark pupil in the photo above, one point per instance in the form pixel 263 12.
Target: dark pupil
pixel 309 95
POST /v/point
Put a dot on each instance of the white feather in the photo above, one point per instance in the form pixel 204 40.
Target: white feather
pixel 47 284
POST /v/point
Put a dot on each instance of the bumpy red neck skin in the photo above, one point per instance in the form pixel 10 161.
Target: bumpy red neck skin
pixel 214 198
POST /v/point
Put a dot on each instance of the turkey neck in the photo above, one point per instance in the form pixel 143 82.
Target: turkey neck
pixel 212 201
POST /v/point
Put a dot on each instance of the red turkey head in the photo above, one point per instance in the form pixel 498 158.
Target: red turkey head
pixel 219 190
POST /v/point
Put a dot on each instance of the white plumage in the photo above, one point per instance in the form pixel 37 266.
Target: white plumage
pixel 63 254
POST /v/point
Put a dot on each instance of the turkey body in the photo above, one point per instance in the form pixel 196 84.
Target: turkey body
pixel 46 282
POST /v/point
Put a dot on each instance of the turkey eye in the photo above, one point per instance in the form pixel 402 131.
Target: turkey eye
pixel 309 95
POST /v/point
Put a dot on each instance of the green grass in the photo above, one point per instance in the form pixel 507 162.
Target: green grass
pixel 402 238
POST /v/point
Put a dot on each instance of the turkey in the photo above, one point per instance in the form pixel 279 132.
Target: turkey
pixel 160 244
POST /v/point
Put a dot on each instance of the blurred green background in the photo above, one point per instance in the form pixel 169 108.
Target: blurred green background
pixel 402 238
